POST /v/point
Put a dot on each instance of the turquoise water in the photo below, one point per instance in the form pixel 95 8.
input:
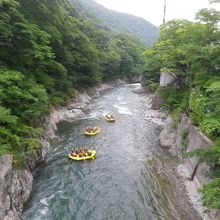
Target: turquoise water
pixel 125 181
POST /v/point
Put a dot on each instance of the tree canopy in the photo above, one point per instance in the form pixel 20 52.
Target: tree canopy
pixel 47 51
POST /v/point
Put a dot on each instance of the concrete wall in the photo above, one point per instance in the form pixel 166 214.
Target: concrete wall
pixel 195 139
pixel 166 78
pixel 187 138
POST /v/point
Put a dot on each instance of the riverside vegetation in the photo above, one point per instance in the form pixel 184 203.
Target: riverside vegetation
pixel 191 50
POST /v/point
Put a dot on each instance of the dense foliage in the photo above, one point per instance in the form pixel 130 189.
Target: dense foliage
pixel 47 51
pixel 190 51
pixel 120 22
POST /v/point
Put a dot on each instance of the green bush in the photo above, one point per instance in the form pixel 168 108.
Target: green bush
pixel 176 100
pixel 211 194
pixel 210 126
pixel 57 101
pixel 197 106
pixel 153 86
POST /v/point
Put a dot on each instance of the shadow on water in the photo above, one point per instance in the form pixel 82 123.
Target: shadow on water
pixel 125 181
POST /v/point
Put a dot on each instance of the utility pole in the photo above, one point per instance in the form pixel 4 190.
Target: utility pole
pixel 164 11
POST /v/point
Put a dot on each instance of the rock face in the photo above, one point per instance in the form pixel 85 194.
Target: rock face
pixel 15 188
pixel 168 136
pixel 16 185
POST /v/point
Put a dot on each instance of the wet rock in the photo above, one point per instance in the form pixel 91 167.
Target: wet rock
pixel 20 189
pixel 50 125
pixel 168 135
pixel 34 160
pixel 45 148
pixel 167 138
pixel 71 115
pixel 12 215
pixel 138 90
pixel 82 106
pixel 119 82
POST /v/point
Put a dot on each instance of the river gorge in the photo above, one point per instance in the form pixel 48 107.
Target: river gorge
pixel 132 177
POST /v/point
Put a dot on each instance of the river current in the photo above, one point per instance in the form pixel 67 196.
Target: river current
pixel 126 181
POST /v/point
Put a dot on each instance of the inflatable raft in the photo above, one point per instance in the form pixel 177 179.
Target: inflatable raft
pixel 91 157
pixel 93 133
pixel 110 119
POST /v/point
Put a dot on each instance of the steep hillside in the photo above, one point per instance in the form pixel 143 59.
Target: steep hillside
pixel 117 21
pixel 47 51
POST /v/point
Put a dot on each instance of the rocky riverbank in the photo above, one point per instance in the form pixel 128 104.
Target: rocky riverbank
pixel 187 195
pixel 16 185
pixel 185 137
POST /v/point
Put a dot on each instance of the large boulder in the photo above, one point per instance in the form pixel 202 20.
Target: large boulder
pixel 138 90
pixel 157 102
pixel 168 135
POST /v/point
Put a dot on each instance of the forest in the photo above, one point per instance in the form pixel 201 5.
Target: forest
pixel 191 50
pixel 47 52
pixel 117 21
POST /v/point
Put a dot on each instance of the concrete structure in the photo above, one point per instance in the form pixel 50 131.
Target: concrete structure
pixel 166 78
pixel 195 139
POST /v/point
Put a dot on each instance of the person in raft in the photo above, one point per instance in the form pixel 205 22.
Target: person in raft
pixel 80 152
pixel 91 129
pixel 108 116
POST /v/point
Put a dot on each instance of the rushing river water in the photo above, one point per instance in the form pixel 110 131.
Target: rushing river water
pixel 126 181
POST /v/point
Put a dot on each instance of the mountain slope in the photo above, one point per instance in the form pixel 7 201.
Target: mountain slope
pixel 117 21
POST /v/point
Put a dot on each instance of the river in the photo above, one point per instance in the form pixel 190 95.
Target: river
pixel 126 181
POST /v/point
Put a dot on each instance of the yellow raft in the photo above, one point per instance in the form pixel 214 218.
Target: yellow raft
pixel 110 119
pixel 93 133
pixel 91 157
